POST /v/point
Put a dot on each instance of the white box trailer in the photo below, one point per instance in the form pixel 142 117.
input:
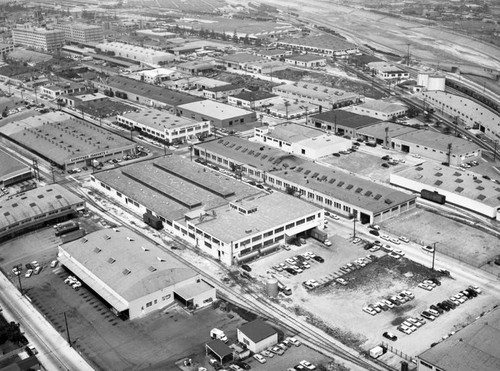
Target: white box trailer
pixel 376 352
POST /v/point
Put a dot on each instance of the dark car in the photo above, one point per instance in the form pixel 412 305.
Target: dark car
pixel 292 271
pixel 29 266
pixel 436 308
pixel 385 164
pixel 368 246
pixel 336 154
pixel 319 259
pixel 472 292
pixel 451 304
pixel 386 157
pixel 243 365
pixel 435 280
pixel 443 306
pixel 374 232
pixel 246 267
pixel 390 336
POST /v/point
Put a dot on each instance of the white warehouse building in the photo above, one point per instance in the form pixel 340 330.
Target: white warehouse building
pixel 131 274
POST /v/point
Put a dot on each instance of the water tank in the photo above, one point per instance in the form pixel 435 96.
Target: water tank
pixel 272 287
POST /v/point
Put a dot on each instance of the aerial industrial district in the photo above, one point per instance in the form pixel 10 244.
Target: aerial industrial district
pixel 220 187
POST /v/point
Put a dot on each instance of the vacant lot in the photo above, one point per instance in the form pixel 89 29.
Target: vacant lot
pixel 452 238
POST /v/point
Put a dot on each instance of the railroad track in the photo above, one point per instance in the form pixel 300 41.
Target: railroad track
pixel 252 301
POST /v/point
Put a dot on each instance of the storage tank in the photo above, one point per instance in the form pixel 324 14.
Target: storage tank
pixel 272 287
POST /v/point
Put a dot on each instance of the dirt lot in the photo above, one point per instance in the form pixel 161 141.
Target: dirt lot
pixel 426 227
pixel 381 279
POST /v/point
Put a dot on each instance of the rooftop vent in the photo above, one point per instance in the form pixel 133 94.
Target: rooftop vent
pixel 96 249
pixel 111 260
pixel 152 269
pixel 126 272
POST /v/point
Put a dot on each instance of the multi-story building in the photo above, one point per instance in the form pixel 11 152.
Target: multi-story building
pixel 327 45
pixel 388 71
pixel 38 38
pixel 380 109
pixel 6 48
pixel 140 54
pixel 81 33
pixel 306 60
pixel 60 88
pixel 164 126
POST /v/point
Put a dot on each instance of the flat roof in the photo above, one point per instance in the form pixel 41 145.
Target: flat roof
pixel 474 348
pixel 219 348
pixel 37 201
pixel 439 141
pixel 173 186
pixel 378 130
pixel 241 58
pixel 465 184
pixel 257 330
pixel 384 66
pixel 305 57
pixel 157 72
pixel 10 165
pixel 158 120
pixel 382 106
pixel 89 97
pixel 224 88
pixel 327 180
pixel 126 262
pixel 158 93
pixel 321 42
pixel 253 96
pixel 193 289
pixel 72 138
pixel 292 132
pixel 116 45
pixel 346 118
pixel 217 110
pixel 317 91
pixel 228 224
pixel 270 52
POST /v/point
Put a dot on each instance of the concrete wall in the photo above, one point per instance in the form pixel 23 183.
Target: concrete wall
pixel 257 347
pixel 150 303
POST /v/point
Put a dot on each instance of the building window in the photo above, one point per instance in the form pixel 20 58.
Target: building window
pixel 149 304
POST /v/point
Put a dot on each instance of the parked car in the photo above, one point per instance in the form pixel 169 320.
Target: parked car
pixel 318 259
pixel 259 358
pixel 307 365
pixel 374 232
pixel 277 350
pixel 246 267
pixel 267 354
pixel 16 271
pixel 428 316
pixel 37 270
pixel 54 263
pixel 28 274
pixel 390 336
pixel 404 239
pixel 369 310
pixel 428 248
pixel 294 341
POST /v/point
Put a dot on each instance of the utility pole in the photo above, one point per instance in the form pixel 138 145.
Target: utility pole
pixel 20 269
pixel 354 220
pixel 433 255
pixel 53 175
pixel 67 329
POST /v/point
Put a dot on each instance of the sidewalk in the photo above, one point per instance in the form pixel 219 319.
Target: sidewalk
pixel 54 351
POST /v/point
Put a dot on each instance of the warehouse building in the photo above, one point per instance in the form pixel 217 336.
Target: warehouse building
pixel 72 143
pixel 380 109
pixel 474 347
pixel 257 335
pixel 461 188
pixel 144 93
pixel 266 67
pixel 219 114
pixel 164 126
pixel 132 275
pixel 12 170
pixel 341 122
pixel 387 71
pixel 61 88
pixel 238 61
pixel 324 96
pixel 301 140
pixel 327 45
pixel 229 220
pixel 383 132
pixel 306 60
pixel 222 92
pixel 437 146
pixel 327 187
pixel 472 114
pixel 77 100
pixel 140 54
pixel 251 99
pixel 37 207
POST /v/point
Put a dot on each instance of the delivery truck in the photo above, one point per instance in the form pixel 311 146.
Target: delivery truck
pixel 215 333
pixel 320 236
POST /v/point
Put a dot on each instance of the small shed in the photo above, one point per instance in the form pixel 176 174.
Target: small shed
pixel 257 335
pixel 220 351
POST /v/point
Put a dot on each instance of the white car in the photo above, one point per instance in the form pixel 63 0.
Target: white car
pixel 398 251
pixel 395 241
pixel 54 263
pixel 335 217
pixel 294 341
pixel 28 274
pixel 385 237
pixel 290 261
pixel 425 286
pixel 70 280
pixel 404 239
pixel 259 358
pixel 267 354
pixel 356 240
pixel 307 365
pixel 370 311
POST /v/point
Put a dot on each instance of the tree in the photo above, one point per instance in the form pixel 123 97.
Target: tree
pixel 235 37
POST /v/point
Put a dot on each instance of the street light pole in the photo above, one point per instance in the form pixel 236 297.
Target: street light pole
pixel 19 268
pixel 354 220
pixel 433 255
pixel 67 329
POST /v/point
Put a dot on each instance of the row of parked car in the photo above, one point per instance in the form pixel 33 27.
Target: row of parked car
pixel 73 282
pixel 410 325
pixel 429 284
pixel 454 301
pixel 32 268
pixel 298 263
pixel 389 303
pixel 278 349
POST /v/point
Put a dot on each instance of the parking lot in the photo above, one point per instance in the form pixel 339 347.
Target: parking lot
pixel 338 308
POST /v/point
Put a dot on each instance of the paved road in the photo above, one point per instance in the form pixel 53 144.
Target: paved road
pixel 54 351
